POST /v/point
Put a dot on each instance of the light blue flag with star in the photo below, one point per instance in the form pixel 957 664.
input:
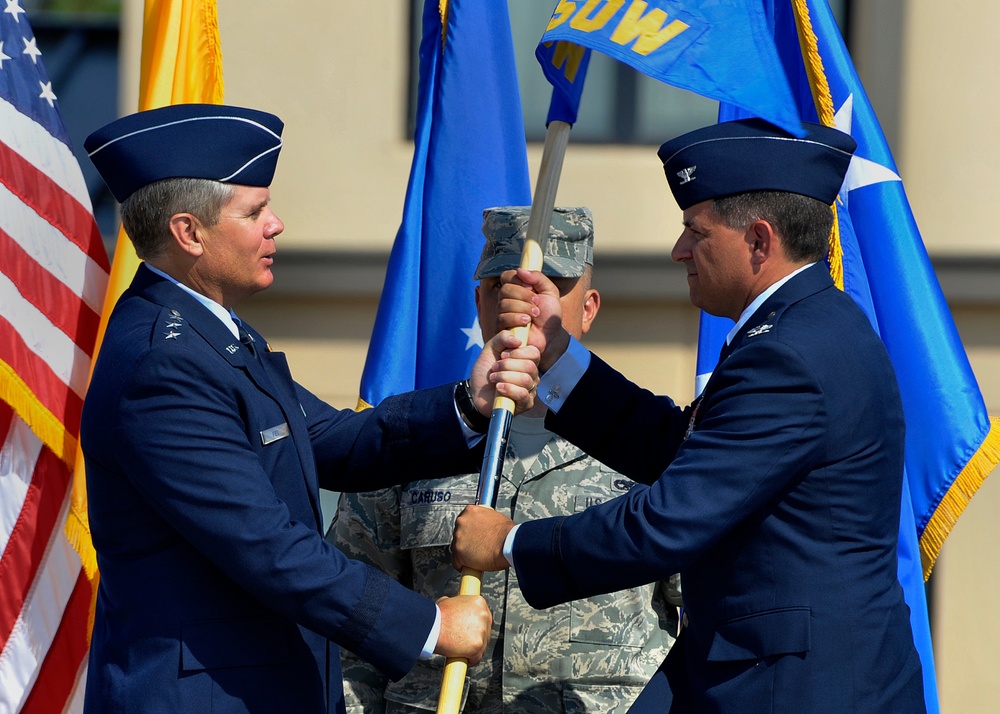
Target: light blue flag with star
pixel 469 154
pixel 951 441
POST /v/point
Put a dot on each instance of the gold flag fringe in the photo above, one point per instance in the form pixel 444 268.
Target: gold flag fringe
pixel 214 55
pixel 53 434
pixel 45 425
pixel 823 99
pixel 78 533
pixel 957 497
pixel 836 251
pixel 809 44
pixel 443 8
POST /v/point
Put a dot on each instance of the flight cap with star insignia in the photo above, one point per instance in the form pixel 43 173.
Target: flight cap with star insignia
pixel 752 155
pixel 207 141
pixel 569 248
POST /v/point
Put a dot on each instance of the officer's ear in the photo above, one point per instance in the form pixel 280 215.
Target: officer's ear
pixel 762 240
pixel 591 304
pixel 184 229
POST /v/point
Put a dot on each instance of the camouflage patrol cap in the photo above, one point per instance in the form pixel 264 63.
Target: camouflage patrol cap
pixel 569 249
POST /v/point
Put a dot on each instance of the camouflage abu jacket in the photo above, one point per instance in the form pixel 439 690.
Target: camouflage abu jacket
pixel 590 655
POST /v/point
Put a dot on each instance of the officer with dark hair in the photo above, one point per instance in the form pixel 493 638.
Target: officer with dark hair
pixel 776 494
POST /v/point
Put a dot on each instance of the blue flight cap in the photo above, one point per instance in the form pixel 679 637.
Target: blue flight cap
pixel 753 155
pixel 208 141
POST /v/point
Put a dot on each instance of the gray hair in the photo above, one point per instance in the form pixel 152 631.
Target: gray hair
pixel 803 223
pixel 146 213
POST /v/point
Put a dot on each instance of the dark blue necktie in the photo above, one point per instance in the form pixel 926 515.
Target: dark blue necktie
pixel 247 340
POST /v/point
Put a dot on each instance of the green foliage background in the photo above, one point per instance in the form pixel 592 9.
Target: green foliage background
pixel 102 7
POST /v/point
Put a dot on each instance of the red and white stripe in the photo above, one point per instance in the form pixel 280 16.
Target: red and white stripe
pixel 53 276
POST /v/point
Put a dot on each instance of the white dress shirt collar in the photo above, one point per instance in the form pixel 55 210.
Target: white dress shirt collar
pixel 228 317
pixel 759 300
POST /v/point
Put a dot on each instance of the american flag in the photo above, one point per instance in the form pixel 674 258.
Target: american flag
pixel 53 276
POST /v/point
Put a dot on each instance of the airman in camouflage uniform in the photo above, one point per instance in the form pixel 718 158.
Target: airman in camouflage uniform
pixel 590 655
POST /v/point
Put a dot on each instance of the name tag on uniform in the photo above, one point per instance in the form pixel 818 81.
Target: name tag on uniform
pixel 582 503
pixel 275 433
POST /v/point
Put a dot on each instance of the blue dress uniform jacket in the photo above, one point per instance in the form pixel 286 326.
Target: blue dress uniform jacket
pixel 218 592
pixel 780 510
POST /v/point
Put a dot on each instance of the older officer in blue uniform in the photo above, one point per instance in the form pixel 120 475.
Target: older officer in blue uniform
pixel 776 494
pixel 204 458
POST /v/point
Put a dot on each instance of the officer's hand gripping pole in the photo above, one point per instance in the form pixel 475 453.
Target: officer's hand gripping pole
pixel 532 258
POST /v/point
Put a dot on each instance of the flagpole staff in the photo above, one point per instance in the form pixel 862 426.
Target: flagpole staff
pixel 532 258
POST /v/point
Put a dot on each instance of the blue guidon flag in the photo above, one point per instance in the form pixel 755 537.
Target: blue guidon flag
pixel 426 330
pixel 722 50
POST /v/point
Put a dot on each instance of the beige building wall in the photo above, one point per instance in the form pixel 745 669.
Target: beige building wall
pixel 337 73
pixel 948 153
